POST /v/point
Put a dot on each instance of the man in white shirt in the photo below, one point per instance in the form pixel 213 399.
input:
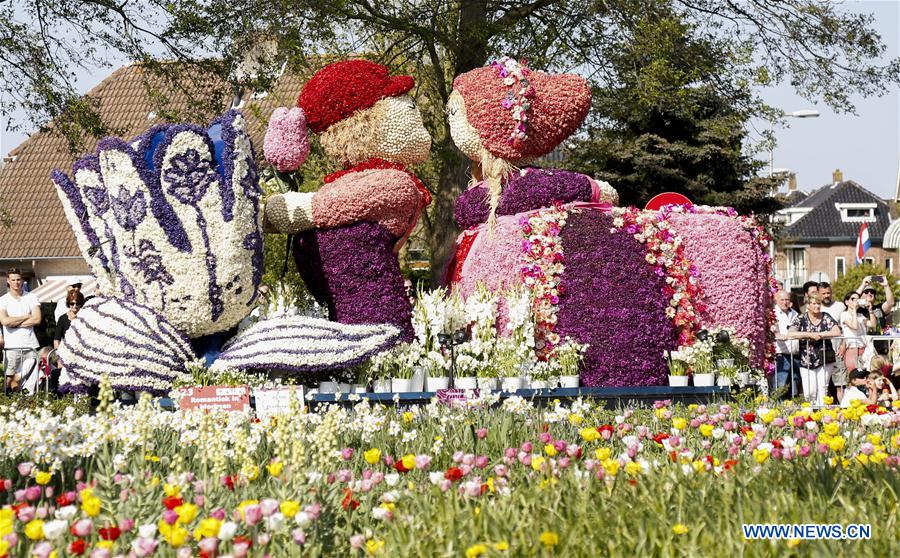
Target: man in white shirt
pixel 834 309
pixel 787 363
pixel 19 313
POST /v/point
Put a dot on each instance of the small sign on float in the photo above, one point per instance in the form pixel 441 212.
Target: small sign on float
pixel 216 398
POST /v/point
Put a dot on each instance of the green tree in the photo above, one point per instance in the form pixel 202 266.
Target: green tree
pixel 825 53
pixel 851 281
pixel 672 117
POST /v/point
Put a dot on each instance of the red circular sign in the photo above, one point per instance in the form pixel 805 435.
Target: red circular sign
pixel 667 198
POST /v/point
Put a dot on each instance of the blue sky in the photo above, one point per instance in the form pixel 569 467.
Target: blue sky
pixel 865 146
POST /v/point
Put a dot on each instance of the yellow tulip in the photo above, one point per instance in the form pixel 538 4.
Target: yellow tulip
pixel 589 434
pixel 409 461
pixel 91 506
pixel 837 443
pixel 43 477
pixel 171 490
pixel 209 527
pixel 706 430
pixel 476 550
pixel 289 508
pixel 549 538
pixel 372 456
pixel 679 528
pixel 575 419
pixel 602 454
pixel 679 423
pixel 550 450
pixel 274 468
pixel 760 455
pixel 537 461
pixel 832 428
pixel 34 529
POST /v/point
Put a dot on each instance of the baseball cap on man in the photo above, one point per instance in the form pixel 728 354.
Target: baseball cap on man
pixel 870 289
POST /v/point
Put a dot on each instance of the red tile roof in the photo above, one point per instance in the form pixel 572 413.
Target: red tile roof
pixel 40 229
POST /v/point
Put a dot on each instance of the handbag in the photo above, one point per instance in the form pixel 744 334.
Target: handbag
pixel 830 356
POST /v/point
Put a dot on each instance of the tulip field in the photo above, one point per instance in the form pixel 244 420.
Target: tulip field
pixel 488 478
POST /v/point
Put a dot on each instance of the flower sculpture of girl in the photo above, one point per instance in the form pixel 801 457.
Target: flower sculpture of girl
pixel 351 229
pixel 616 279
pixel 170 224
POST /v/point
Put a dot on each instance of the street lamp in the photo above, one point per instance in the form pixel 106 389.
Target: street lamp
pixel 802 113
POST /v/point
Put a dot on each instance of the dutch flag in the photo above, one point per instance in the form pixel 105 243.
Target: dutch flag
pixel 862 243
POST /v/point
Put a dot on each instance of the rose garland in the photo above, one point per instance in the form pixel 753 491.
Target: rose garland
pixel 665 253
pixel 517 98
pixel 762 238
pixel 542 270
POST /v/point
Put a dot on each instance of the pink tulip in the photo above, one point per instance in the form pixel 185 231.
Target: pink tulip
pixel 481 433
pixel 481 461
pixel 143 547
pixel 468 459
pixel 101 553
pixel 300 537
pixel 209 545
pixel 347 454
pixel 423 461
pixel 268 506
pixel 26 514
pixel 84 527
pixel 252 515
pixel 545 437
pixel 527 447
pixel 218 513
pixel 313 510
pixel 357 541
pixel 33 493
pixel 804 451
pixel 25 468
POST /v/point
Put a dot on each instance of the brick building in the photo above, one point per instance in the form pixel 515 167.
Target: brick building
pixel 820 231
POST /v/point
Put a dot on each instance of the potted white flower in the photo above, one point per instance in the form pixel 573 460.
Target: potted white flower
pixel 678 368
pixel 569 356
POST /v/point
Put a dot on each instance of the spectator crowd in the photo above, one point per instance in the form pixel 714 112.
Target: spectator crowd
pixel 828 347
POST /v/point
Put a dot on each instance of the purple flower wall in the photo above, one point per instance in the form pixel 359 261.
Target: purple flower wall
pixel 614 302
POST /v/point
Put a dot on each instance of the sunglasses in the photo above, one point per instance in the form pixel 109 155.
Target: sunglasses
pixel 73 305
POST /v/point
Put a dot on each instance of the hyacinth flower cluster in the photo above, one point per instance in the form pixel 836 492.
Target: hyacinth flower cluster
pixel 666 254
pixel 361 480
pixel 170 224
pixel 723 244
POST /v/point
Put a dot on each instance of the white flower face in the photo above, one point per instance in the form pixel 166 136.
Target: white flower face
pixel 403 136
pixel 464 135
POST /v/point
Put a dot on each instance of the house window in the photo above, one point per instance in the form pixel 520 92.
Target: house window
pixel 889 264
pixel 796 267
pixel 869 261
pixel 840 267
pixel 856 212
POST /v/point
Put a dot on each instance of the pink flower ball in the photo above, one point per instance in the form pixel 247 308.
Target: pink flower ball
pixel 286 144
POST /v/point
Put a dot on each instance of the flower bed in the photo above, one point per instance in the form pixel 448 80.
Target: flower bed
pixel 482 480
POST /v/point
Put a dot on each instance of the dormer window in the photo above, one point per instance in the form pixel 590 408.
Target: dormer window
pixel 856 212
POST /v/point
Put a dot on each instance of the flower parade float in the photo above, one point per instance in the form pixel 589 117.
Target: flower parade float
pixel 170 224
pixel 348 232
pixel 628 283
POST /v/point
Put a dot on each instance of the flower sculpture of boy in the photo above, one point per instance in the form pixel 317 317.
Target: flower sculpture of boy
pixel 170 224
pixel 348 232
pixel 616 279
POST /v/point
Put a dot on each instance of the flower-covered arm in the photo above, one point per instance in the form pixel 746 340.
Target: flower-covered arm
pixel 385 196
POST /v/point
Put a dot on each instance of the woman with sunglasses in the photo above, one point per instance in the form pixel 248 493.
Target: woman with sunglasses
pixel 74 302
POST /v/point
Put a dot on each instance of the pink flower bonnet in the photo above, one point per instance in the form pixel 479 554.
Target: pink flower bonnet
pixel 525 113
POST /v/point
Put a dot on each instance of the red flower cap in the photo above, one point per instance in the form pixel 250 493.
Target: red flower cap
pixel 338 90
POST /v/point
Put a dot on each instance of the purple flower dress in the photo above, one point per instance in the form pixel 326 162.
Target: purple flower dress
pixel 610 297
